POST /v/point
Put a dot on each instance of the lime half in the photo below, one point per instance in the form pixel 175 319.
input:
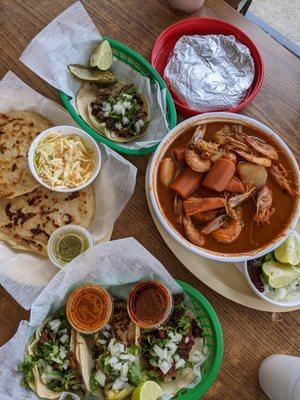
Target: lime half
pixel 102 56
pixel 289 251
pixel 279 275
pixel 69 246
pixel 148 390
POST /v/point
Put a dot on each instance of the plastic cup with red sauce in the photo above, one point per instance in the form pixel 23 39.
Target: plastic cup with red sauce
pixel 89 308
pixel 149 304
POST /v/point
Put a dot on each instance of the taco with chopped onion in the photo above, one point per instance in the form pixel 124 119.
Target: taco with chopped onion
pixel 118 111
pixel 174 352
pixel 50 365
pixel 110 359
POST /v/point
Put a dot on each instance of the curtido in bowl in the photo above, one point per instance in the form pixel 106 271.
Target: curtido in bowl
pixel 225 186
pixel 275 277
pixel 64 159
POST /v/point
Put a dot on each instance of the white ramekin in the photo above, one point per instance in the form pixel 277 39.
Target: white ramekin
pixel 223 117
pixel 244 271
pixel 66 229
pixel 65 130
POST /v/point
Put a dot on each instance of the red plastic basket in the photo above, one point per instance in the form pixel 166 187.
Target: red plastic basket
pixel 166 41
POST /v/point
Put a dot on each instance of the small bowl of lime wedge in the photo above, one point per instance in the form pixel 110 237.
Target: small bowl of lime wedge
pixel 67 243
pixel 275 277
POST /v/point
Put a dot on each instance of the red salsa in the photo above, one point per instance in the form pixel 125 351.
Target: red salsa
pixel 89 308
pixel 149 304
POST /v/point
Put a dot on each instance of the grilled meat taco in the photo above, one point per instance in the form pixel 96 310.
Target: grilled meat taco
pixel 50 365
pixel 119 112
pixel 173 352
pixel 110 359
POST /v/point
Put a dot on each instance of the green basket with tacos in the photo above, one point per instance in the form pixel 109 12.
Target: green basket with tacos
pixel 179 359
pixel 104 129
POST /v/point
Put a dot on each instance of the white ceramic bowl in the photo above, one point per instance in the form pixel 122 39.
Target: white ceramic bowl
pixel 293 303
pixel 66 229
pixel 65 130
pixel 153 176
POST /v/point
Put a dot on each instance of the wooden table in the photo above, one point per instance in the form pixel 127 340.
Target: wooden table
pixel 249 335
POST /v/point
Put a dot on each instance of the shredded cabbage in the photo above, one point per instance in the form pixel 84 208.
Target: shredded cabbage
pixel 63 161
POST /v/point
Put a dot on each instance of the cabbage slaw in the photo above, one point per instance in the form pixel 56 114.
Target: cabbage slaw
pixel 64 161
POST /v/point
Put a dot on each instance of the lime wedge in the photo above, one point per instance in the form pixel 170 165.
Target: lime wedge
pixel 289 251
pixel 102 56
pixel 148 390
pixel 279 275
pixel 69 246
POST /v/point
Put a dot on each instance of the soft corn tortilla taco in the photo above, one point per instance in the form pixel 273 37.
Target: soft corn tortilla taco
pixel 50 365
pixel 176 381
pixel 117 112
pixel 174 352
pixel 97 353
pixel 17 131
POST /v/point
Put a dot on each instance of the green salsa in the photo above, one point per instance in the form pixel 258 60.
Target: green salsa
pixel 69 245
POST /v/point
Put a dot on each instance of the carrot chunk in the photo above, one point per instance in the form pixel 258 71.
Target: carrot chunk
pixel 179 154
pixel 194 205
pixel 219 175
pixel 235 185
pixel 186 183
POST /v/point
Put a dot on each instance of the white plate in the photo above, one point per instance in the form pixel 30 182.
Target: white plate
pixel 223 278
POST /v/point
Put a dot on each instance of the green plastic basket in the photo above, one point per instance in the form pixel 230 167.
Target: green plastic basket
pixel 137 62
pixel 213 339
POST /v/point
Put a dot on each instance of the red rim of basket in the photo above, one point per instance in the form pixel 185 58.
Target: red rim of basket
pixel 259 67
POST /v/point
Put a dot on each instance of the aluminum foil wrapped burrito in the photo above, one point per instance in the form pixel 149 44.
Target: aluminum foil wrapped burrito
pixel 210 72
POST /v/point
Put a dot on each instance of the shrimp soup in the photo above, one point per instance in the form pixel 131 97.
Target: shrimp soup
pixel 227 188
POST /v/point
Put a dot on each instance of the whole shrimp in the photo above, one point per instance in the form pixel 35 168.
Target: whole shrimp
pixel 192 233
pixel 261 147
pixel 215 224
pixel 198 135
pixel 282 181
pixel 264 208
pixel 207 149
pixel 231 229
pixel 234 201
pixel 195 162
pixel 265 161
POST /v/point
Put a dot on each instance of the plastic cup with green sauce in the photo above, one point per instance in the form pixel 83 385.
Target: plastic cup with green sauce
pixel 67 243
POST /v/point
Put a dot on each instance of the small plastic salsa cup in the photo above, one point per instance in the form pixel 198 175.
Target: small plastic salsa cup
pixel 149 304
pixel 89 308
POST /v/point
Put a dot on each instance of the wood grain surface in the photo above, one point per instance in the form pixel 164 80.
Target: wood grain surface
pixel 249 335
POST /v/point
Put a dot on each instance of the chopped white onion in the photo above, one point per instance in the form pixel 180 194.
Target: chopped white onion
pixel 117 366
pixel 54 325
pixel 161 353
pixel 118 384
pixel 64 338
pixel 180 363
pixel 100 378
pixel 164 366
pixel 197 369
pixel 113 361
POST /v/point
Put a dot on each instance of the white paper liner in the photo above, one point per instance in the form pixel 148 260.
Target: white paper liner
pixel 70 39
pixel 23 274
pixel 116 265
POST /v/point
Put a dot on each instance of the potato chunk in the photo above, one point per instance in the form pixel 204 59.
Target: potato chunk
pixel 252 174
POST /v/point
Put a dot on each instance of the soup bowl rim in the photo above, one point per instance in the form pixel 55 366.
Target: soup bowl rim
pixel 217 117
